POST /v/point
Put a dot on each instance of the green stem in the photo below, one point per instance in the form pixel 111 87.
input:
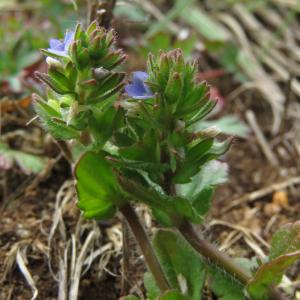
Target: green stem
pixel 146 247
pixel 65 149
pixel 209 251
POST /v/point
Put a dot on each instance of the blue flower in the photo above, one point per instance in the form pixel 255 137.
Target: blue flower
pixel 59 47
pixel 138 89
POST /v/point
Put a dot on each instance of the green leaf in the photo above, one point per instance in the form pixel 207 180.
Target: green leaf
pixel 29 163
pixel 176 10
pixel 145 151
pixel 204 24
pixel 52 122
pixel 182 265
pixel 174 88
pixel 212 173
pixel 106 83
pixel 202 201
pixel 50 54
pixel 146 166
pixel 168 210
pixel 54 83
pixel 97 187
pixel 43 109
pixel 185 208
pixel 230 125
pixel 285 240
pixel 152 289
pixel 108 94
pixel 130 11
pixel 173 295
pixel 162 217
pixel 285 250
pixel 102 124
pixel 224 285
pixel 130 297
pixel 197 157
pixel 122 140
pixel 270 274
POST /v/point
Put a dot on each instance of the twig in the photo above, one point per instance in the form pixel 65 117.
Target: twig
pixel 249 197
pixel 261 138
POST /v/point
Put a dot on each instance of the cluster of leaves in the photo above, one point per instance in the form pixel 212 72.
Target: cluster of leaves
pixel 154 149
pixel 82 84
pixel 146 148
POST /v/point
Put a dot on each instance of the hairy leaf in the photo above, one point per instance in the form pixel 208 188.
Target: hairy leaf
pixel 52 122
pixel 285 240
pixel 270 274
pixel 224 285
pixel 182 265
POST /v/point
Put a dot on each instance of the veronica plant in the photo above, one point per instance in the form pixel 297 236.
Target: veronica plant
pixel 139 144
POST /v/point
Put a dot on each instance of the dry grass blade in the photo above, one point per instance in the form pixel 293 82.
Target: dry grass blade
pixel 20 259
pixel 256 73
pixel 64 195
pixel 153 10
pixel 268 45
pixel 250 116
pixel 75 279
pixel 63 277
pixel 246 232
pixel 11 258
pixel 262 192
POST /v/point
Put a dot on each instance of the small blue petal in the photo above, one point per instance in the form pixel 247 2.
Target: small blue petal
pixel 56 44
pixel 134 90
pixel 140 76
pixel 138 89
pixel 61 47
pixel 69 37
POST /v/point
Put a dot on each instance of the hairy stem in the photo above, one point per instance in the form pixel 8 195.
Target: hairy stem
pixel 146 247
pixel 210 252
